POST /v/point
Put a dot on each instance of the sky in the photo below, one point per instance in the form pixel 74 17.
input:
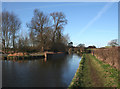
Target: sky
pixel 89 23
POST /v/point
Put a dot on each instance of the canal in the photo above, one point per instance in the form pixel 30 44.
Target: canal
pixel 40 72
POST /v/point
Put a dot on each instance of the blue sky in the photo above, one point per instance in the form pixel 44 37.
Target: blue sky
pixel 91 23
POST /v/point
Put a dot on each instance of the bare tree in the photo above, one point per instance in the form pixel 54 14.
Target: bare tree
pixel 6 29
pixel 113 42
pixel 20 44
pixel 46 35
pixel 10 25
pixel 58 24
pixel 15 26
pixel 39 23
pixel 81 45
pixel 23 44
pixel 32 38
pixel 66 39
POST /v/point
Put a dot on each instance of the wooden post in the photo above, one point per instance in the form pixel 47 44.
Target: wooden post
pixel 45 54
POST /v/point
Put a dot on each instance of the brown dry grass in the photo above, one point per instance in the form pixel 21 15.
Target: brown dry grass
pixel 18 54
pixel 109 55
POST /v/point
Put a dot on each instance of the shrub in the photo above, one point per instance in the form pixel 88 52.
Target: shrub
pixel 109 55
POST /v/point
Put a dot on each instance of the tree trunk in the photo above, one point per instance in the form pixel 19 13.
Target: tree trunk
pixel 14 44
pixel 3 47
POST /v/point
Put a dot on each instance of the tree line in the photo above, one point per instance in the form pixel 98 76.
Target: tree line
pixel 45 32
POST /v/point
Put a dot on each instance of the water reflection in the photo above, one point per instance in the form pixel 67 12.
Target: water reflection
pixel 40 72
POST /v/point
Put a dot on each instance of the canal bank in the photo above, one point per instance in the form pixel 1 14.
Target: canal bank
pixel 22 56
pixel 94 73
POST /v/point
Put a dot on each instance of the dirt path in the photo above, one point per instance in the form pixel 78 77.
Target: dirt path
pixel 94 74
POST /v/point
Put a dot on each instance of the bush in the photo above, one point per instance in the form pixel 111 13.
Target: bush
pixel 109 55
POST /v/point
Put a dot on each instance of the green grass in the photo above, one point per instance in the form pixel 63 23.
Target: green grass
pixel 108 73
pixel 82 78
pixel 86 74
pixel 76 82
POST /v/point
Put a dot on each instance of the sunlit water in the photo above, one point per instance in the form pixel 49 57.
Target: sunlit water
pixel 40 72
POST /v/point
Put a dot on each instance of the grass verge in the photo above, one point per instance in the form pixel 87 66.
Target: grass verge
pixel 108 73
pixel 82 75
pixel 105 73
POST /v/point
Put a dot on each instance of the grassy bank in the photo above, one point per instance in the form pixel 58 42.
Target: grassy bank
pixel 94 73
pixel 81 75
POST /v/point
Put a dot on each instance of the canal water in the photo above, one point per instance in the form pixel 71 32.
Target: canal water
pixel 40 72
